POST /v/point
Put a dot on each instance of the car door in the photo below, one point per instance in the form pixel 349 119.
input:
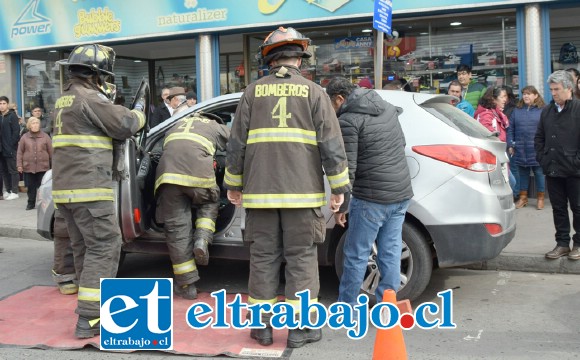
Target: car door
pixel 136 161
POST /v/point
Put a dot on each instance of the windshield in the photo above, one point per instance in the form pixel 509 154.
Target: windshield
pixel 457 119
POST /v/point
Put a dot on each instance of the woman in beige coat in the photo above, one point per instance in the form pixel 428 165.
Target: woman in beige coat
pixel 33 158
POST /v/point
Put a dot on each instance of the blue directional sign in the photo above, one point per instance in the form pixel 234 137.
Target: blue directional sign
pixel 382 16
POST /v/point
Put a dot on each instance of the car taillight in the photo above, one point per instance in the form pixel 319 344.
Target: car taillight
pixel 471 158
pixel 493 229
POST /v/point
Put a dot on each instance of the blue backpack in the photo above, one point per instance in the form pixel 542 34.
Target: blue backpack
pixel 568 54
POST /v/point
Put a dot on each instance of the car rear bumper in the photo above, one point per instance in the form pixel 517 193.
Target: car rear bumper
pixel 467 243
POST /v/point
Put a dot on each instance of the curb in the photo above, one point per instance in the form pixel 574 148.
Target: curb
pixel 20 233
pixel 528 263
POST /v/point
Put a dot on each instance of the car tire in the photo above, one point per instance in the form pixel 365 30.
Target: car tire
pixel 416 265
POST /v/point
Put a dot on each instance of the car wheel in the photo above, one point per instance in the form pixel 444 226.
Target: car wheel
pixel 416 265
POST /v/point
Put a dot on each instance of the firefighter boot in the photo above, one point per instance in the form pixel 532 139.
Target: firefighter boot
pixel 300 337
pixel 68 288
pixel 87 328
pixel 264 337
pixel 201 252
pixel 187 291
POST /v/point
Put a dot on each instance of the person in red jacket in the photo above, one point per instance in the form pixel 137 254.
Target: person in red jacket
pixel 490 114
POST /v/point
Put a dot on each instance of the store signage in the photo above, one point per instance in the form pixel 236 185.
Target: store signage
pixel 383 16
pixel 353 42
pixel 51 23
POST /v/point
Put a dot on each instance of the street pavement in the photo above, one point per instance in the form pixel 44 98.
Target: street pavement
pixel 534 237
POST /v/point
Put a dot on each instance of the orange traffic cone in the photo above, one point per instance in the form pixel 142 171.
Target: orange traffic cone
pixel 389 343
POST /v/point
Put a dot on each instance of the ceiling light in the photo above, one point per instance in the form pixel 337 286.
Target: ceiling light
pixel 455 23
pixel 52 51
pixel 424 33
pixel 137 61
pixel 367 30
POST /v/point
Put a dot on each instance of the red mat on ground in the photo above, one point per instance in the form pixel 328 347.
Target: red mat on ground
pixel 40 317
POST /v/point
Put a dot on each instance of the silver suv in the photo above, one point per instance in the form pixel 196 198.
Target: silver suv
pixel 462 211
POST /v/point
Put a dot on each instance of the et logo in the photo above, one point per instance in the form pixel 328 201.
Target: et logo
pixel 136 314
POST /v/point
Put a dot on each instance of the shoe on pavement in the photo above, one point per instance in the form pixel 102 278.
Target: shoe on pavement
pixel 68 288
pixel 300 337
pixel 575 253
pixel 87 328
pixel 5 194
pixel 264 337
pixel 188 291
pixel 29 207
pixel 200 251
pixel 558 252
pixel 12 196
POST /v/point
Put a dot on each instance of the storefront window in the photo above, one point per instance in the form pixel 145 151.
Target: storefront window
pixel 41 83
pixel 425 53
pixel 175 72
pixel 128 76
pixel 232 69
pixel 565 38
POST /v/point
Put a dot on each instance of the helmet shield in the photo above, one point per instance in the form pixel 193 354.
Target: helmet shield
pixel 96 57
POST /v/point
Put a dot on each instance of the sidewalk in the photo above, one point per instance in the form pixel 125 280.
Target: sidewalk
pixel 534 237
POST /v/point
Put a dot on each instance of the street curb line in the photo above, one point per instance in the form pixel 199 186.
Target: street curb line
pixel 529 263
pixel 20 233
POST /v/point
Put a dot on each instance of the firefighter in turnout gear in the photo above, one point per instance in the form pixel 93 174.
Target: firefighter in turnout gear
pixel 284 134
pixel 185 176
pixel 85 126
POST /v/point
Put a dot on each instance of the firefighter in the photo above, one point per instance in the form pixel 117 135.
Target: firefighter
pixel 285 132
pixel 85 126
pixel 185 176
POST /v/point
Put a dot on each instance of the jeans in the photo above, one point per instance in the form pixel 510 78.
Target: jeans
pixel 563 191
pixel 525 178
pixel 514 177
pixel 369 221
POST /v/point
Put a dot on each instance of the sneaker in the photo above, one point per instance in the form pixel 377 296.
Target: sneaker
pixel 68 288
pixel 11 196
pixel 87 328
pixel 575 253
pixel 264 337
pixel 558 252
pixel 300 337
pixel 200 251
pixel 188 291
pixel 5 194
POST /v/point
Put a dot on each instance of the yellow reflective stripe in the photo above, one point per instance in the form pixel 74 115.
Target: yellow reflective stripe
pixel 205 223
pixel 282 135
pixel 84 141
pixel 252 300
pixel 184 180
pixel 94 321
pixel 296 304
pixel 185 267
pixel 232 180
pixel 192 137
pixel 89 294
pixel 140 117
pixel 82 195
pixel 284 200
pixel 339 180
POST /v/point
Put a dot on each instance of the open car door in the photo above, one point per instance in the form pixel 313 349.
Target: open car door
pixel 136 161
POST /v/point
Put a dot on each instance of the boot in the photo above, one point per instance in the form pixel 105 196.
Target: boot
pixel 300 337
pixel 200 251
pixel 68 288
pixel 523 201
pixel 540 205
pixel 87 328
pixel 264 337
pixel 188 291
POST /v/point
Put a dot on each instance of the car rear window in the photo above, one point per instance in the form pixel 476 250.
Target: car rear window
pixel 457 119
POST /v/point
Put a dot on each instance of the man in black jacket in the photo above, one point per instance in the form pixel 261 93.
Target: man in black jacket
pixel 163 111
pixel 557 144
pixel 378 171
pixel 10 134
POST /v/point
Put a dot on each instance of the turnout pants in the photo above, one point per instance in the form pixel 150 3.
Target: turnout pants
pixel 96 243
pixel 63 268
pixel 174 204
pixel 278 234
